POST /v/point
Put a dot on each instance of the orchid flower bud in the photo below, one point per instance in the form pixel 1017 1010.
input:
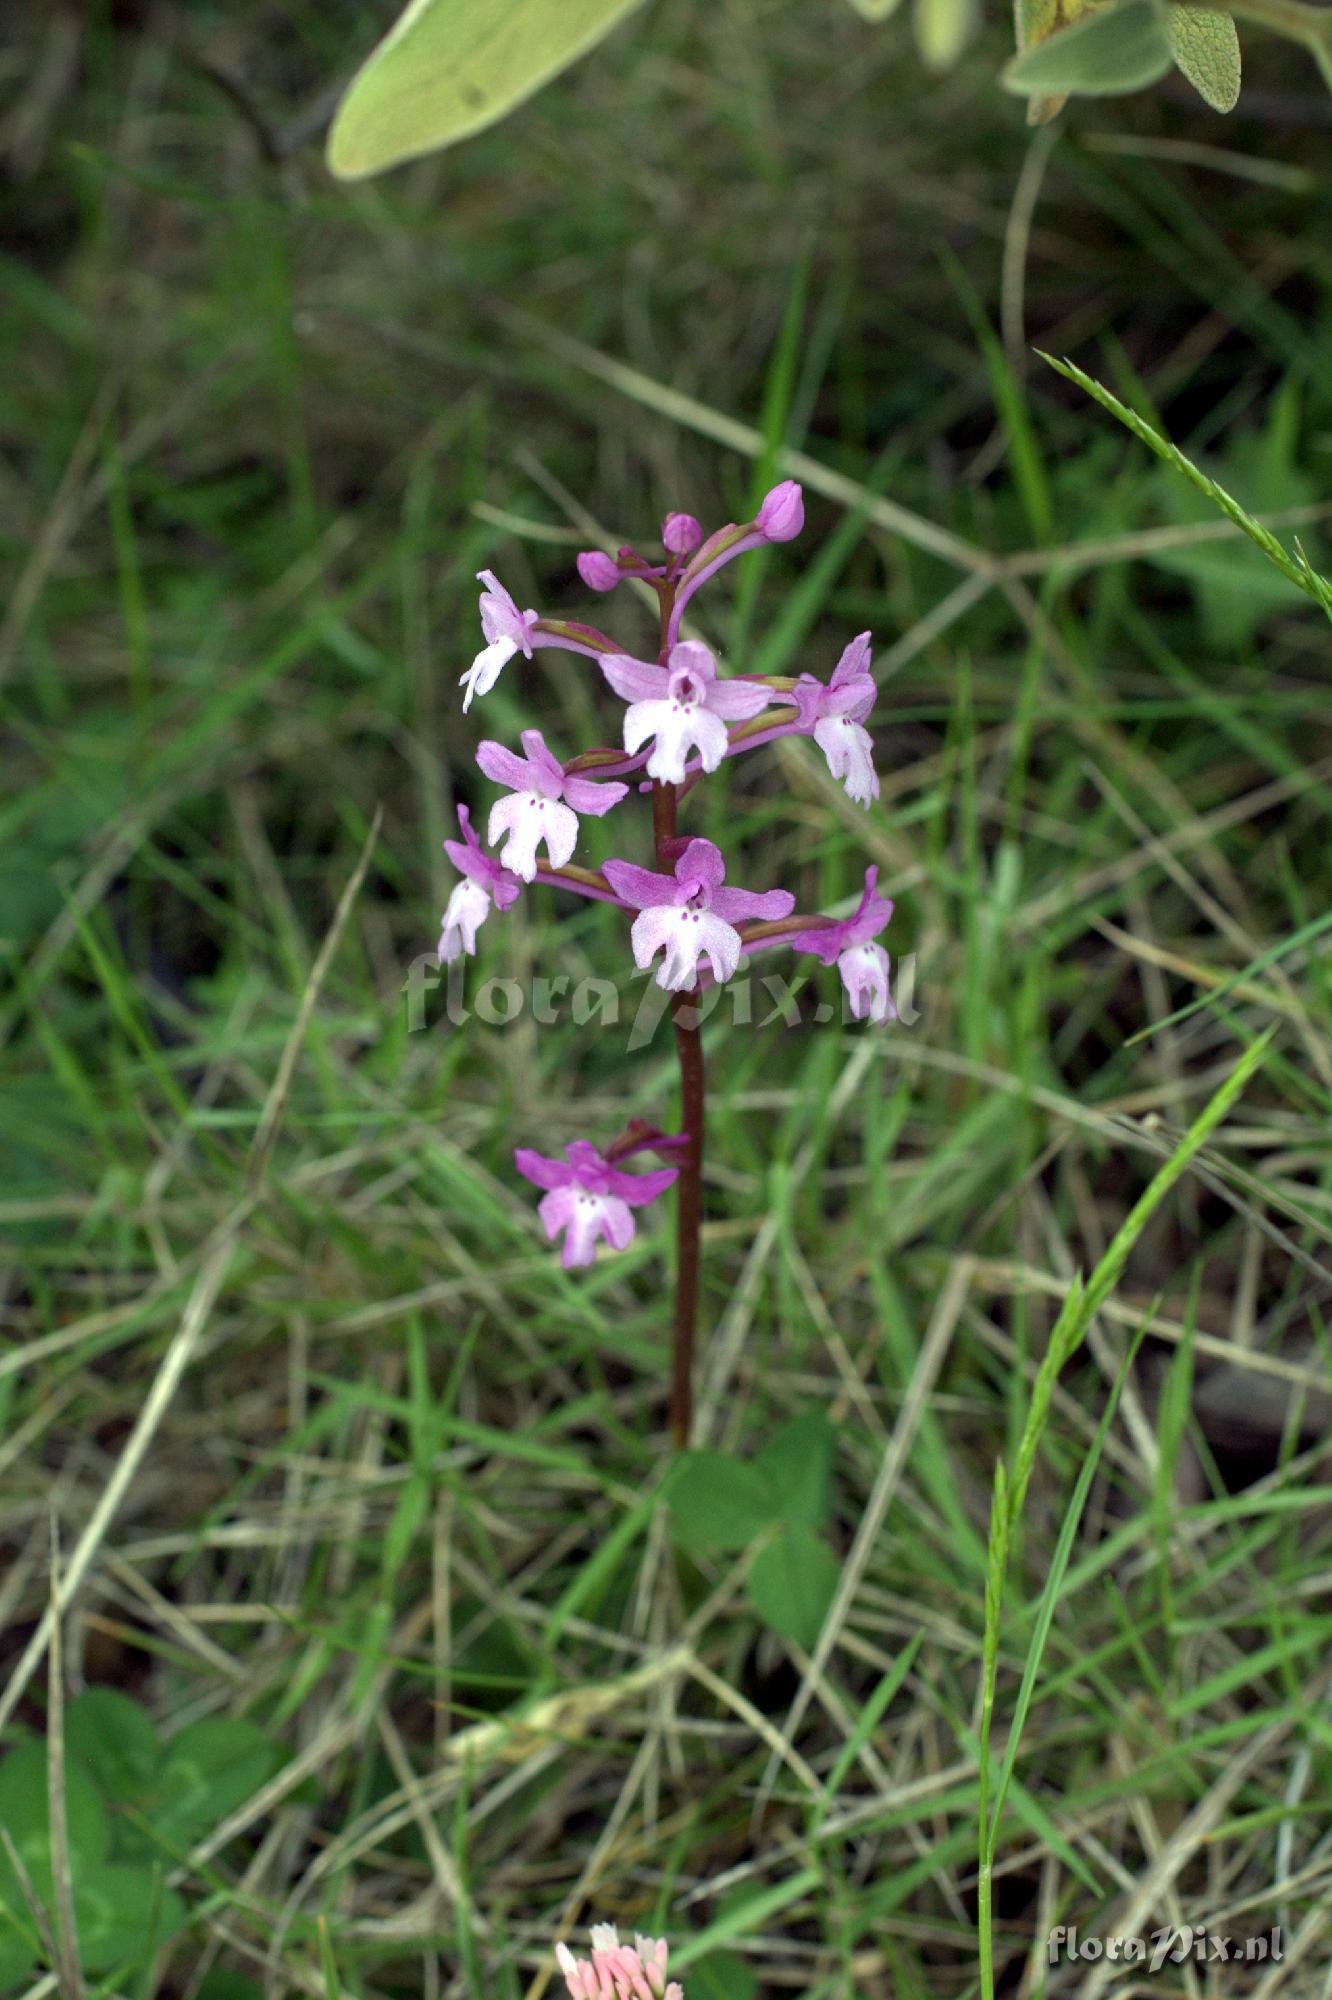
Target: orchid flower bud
pixel 680 534
pixel 782 515
pixel 598 571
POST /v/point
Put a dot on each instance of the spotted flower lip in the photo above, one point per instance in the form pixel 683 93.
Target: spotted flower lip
pixel 543 806
pixel 834 716
pixel 690 914
pixel 589 1199
pixel 506 630
pixel 618 1971
pixel 683 706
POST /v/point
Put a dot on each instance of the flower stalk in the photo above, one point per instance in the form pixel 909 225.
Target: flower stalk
pixel 685 1018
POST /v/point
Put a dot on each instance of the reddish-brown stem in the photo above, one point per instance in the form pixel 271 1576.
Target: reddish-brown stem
pixel 689 1052
pixel 689 1187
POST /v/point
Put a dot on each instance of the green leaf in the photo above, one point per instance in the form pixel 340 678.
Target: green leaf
pixel 797 1464
pixel 25 1816
pixel 1034 20
pixel 1206 48
pixel 115 1741
pixel 18 1959
pixel 211 1768
pixel 876 10
pixel 449 68
pixel 792 1583
pixel 718 1502
pixel 122 1915
pixel 1106 51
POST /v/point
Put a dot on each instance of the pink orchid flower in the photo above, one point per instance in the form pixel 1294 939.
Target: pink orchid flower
pixel 543 805
pixel 833 715
pixel 589 1198
pixel 484 882
pixel 683 705
pixel 862 964
pixel 506 630
pixel 618 1971
pixel 689 914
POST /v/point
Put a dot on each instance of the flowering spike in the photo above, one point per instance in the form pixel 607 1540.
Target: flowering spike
pixel 782 514
pixel 681 719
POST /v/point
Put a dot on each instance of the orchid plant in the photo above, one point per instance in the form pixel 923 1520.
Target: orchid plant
pixel 682 719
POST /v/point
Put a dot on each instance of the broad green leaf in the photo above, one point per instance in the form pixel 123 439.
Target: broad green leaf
pixel 1035 21
pixel 25 1816
pixel 449 68
pixel 876 10
pixel 115 1741
pixel 943 29
pixel 797 1464
pixel 718 1502
pixel 210 1768
pixel 122 1914
pixel 1206 48
pixel 792 1583
pixel 1106 51
pixel 18 1958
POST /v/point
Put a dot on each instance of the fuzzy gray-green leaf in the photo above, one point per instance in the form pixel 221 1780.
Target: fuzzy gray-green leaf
pixel 1105 52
